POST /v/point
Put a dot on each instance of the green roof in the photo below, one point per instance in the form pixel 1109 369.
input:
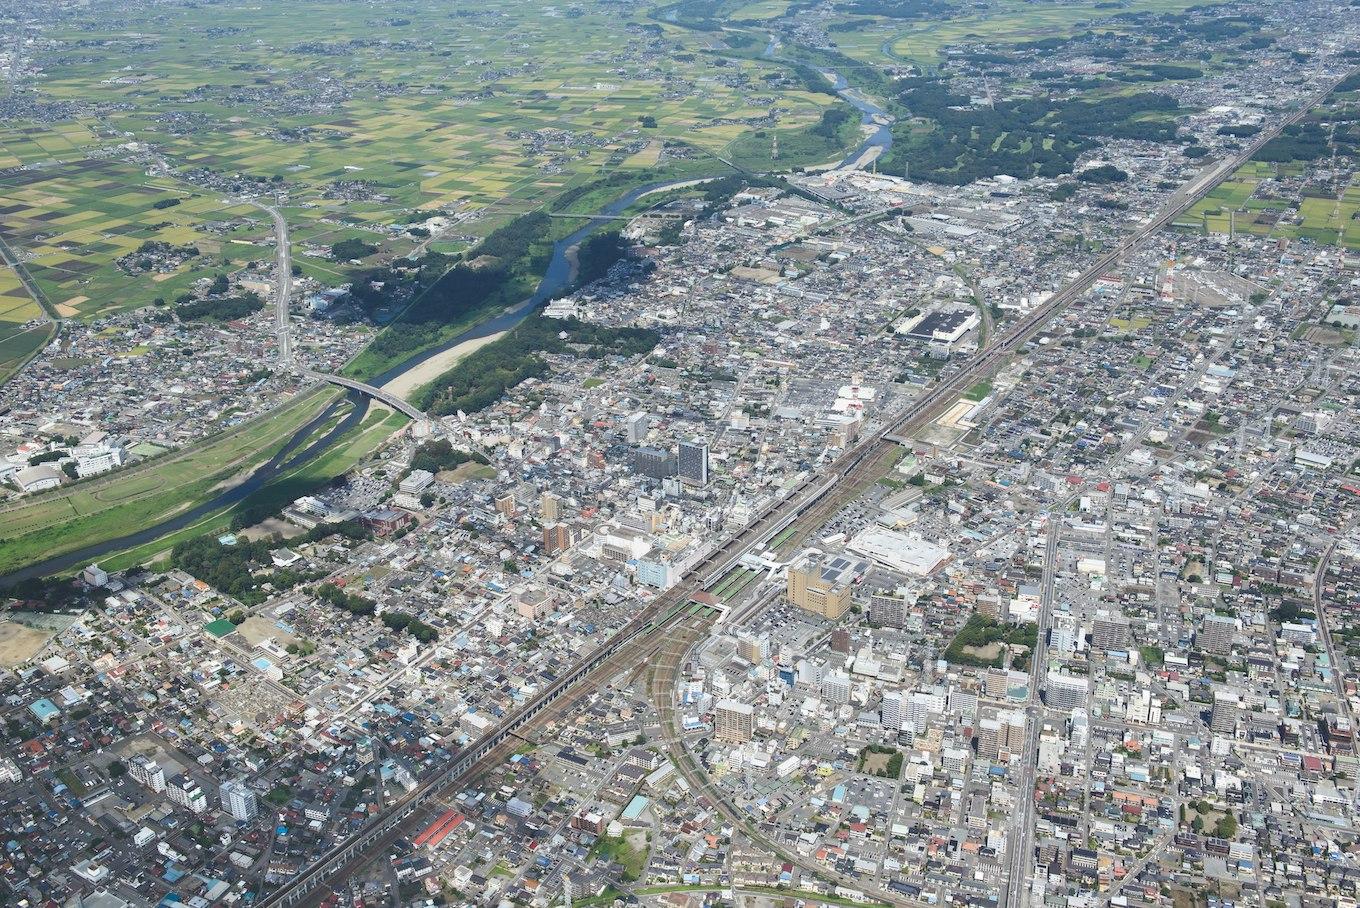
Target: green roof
pixel 219 628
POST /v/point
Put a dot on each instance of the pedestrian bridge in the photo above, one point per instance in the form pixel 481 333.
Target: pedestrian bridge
pixel 378 394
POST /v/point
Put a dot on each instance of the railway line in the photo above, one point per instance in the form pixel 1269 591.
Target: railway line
pixel 645 634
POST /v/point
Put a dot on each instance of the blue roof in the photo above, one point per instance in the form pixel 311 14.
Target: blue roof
pixel 635 807
pixel 44 709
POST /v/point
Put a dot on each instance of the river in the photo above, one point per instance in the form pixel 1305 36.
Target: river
pixel 870 114
pixel 555 278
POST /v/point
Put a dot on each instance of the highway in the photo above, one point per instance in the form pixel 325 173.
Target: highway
pixel 641 636
pixel 283 285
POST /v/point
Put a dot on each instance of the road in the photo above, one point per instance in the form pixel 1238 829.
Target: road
pixel 283 285
pixel 846 474
pixel 1325 632
pixel 1020 841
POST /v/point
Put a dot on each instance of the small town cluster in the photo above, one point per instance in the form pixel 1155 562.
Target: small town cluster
pixel 1089 636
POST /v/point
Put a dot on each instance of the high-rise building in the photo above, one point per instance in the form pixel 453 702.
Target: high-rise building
pixel 962 703
pixel 1066 692
pixel 550 507
pixel 185 792
pixel 655 572
pixel 887 610
pixel 955 760
pixel 238 800
pixel 505 504
pixel 891 713
pixel 147 772
pixel 1216 634
pixel 693 467
pixel 1012 740
pixel 1226 709
pixel 556 537
pixel 836 687
pixel 653 463
pixel 822 588
pixel 1339 734
pixel 636 427
pixel 1110 633
pixel 809 673
pixel 921 706
pixel 754 648
pixel 1065 635
pixel 995 682
pixel 733 721
pixel 988 737
pixel 1001 736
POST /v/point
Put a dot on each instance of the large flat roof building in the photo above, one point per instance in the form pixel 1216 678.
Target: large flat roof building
pixel 823 586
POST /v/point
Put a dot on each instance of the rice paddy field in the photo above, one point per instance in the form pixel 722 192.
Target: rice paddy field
pixel 1290 200
pixel 1246 204
pixel 21 330
pixel 73 221
pixel 481 111
pixel 880 41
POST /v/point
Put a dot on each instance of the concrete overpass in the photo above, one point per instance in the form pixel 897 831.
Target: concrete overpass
pixel 378 394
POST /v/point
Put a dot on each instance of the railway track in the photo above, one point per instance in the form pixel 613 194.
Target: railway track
pixel 651 626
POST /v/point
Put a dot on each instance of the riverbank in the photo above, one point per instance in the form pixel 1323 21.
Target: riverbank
pixel 288 451
pixel 426 371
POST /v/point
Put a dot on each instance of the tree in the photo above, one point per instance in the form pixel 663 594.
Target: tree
pixel 1226 828
pixel 352 248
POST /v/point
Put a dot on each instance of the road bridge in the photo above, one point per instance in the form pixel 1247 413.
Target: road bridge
pixel 654 623
pixel 378 394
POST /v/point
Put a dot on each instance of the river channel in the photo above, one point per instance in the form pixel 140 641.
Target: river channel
pixel 555 278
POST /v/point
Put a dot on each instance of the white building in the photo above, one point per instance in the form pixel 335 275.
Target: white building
pixel 148 773
pixel 239 801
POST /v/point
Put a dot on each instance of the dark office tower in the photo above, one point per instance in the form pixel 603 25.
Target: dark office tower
pixel 653 462
pixel 694 462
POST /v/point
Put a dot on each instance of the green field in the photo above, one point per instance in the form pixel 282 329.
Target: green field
pixel 90 512
pixel 1329 221
pixel 482 112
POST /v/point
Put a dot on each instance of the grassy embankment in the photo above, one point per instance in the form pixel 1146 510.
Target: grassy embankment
pixel 107 507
